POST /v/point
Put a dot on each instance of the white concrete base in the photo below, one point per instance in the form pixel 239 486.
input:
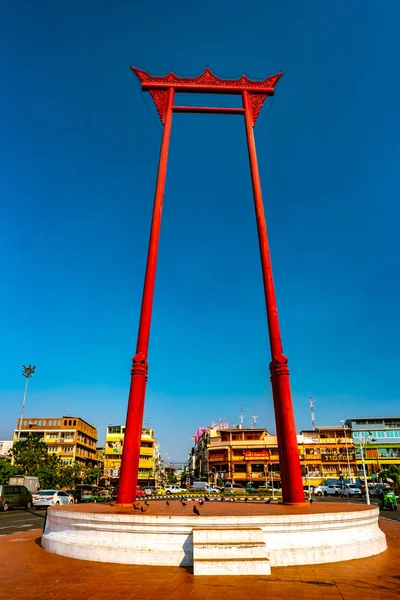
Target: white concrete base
pixel 289 539
pixel 227 551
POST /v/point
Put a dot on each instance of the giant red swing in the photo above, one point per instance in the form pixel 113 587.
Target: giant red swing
pixel 253 93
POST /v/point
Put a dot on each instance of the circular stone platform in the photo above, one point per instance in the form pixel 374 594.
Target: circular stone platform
pixel 166 534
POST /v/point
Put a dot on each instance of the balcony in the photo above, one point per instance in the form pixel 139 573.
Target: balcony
pixel 310 457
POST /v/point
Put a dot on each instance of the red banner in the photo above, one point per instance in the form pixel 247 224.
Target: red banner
pixel 256 454
pixel 218 456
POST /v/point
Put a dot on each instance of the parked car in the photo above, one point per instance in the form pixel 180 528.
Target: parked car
pixel 234 488
pixel 350 490
pixel 318 490
pixel 174 489
pixel 150 491
pixel 44 498
pixel 14 496
pixel 76 495
pixel 140 492
pixel 332 490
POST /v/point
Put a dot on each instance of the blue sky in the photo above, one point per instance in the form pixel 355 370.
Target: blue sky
pixel 77 169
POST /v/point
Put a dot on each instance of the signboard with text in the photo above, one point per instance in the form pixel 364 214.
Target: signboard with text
pixel 256 455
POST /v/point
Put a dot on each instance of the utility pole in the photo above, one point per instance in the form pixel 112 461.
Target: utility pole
pixel 27 371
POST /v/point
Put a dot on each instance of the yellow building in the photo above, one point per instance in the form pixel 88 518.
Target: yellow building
pixel 149 456
pixel 242 455
pixel 70 438
pixel 327 453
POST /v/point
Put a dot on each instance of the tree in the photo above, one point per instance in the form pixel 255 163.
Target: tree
pixel 31 454
pixel 391 472
pixel 7 470
pixel 32 458
pixel 91 475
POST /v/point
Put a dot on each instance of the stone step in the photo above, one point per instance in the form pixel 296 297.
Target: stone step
pixel 228 550
pixel 215 535
pixel 253 566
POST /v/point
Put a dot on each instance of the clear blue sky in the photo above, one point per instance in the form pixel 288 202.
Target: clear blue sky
pixel 78 162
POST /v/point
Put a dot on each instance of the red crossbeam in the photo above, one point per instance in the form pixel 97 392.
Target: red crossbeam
pixel 208 109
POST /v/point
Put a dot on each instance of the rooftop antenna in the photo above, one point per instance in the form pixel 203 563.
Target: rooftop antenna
pixel 65 413
pixel 312 413
pixel 254 417
pixel 241 417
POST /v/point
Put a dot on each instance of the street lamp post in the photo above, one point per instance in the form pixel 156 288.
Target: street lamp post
pixel 363 441
pixel 347 448
pixel 27 371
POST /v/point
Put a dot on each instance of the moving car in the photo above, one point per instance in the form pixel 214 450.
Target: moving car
pixel 234 488
pixel 76 495
pixel 174 489
pixel 14 496
pixel 332 490
pixel 350 490
pixel 44 498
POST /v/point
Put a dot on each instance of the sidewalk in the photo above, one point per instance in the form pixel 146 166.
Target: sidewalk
pixel 27 572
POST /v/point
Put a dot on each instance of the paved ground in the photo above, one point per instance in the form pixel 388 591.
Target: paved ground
pixel 27 572
pixel 21 520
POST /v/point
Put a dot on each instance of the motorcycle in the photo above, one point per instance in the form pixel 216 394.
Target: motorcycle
pixel 388 500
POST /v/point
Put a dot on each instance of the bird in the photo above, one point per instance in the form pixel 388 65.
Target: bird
pixel 146 503
pixel 142 509
pixel 222 499
pixel 201 502
pixel 136 507
pixel 206 498
pixel 246 499
pixel 311 500
pixel 183 503
pixel 196 510
pixel 167 503
pixel 268 501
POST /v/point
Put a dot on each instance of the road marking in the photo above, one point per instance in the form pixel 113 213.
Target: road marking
pixel 18 526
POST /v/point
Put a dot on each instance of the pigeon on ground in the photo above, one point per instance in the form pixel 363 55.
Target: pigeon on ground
pixel 201 502
pixel 183 503
pixel 135 507
pixel 311 500
pixel 206 498
pixel 268 501
pixel 195 510
pixel 167 503
pixel 246 499
pixel 142 509
pixel 146 503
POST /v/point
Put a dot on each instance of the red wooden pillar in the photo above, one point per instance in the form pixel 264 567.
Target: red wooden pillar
pixel 134 418
pixel 292 483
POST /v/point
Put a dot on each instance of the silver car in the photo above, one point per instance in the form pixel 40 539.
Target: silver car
pixel 45 498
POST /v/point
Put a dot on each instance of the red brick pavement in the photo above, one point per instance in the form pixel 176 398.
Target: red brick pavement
pixel 27 572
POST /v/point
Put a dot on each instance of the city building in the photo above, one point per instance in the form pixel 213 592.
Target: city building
pixel 5 447
pixel 149 462
pixel 70 438
pixel 235 454
pixel 382 447
pixel 327 453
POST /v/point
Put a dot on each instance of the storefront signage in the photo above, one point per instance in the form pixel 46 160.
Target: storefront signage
pixel 218 456
pixel 256 454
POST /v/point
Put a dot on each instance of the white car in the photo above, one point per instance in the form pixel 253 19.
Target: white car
pixel 332 490
pixel 174 489
pixel 318 490
pixel 349 489
pixel 45 498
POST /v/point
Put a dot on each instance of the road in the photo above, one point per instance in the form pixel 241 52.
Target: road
pixel 17 520
pixel 21 520
pixel 388 514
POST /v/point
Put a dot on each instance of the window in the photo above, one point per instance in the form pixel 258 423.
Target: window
pixel 44 423
pixel 240 468
pixel 35 422
pixel 70 422
pixel 40 422
pixel 65 423
pixel 74 422
pixel 25 423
